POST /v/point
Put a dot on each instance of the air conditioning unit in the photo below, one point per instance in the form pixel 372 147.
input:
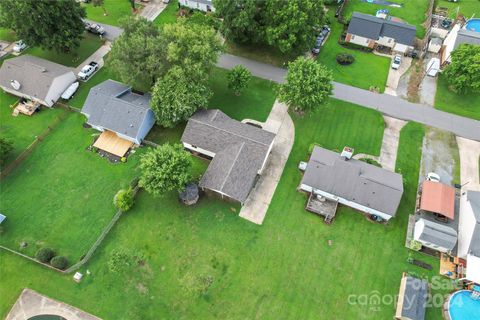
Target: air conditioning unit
pixel 347 153
pixel 15 84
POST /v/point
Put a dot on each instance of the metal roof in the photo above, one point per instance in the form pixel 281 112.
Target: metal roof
pixel 354 180
pixel 371 27
pixel 436 233
pixel 113 106
pixel 438 198
pixel 240 151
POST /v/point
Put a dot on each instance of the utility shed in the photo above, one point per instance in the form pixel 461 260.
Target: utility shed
pixel 412 299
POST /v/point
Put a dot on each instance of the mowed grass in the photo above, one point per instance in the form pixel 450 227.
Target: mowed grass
pixel 467 8
pixel 7 35
pixel 169 14
pixel 368 69
pixel 412 12
pixel 88 45
pixel 22 130
pixel 61 195
pixel 115 9
pixel 466 104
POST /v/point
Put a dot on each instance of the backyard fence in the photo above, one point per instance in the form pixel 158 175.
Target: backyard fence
pixel 150 143
pixel 68 107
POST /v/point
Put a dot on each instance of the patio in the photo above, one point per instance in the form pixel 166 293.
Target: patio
pixel 111 143
pixel 322 206
pixel 452 267
pixel 27 108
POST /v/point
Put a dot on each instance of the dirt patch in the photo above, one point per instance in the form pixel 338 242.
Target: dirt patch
pixel 416 76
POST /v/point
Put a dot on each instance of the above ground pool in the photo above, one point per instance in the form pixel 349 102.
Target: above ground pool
pixel 462 306
pixel 473 25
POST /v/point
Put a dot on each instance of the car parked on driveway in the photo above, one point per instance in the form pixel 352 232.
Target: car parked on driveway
pixel 88 70
pixel 397 60
pixel 320 39
pixel 94 28
pixel 432 176
pixel 19 46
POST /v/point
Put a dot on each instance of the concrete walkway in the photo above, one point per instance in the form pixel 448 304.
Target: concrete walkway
pixel 153 9
pixel 31 303
pixel 469 167
pixel 280 123
pixel 97 56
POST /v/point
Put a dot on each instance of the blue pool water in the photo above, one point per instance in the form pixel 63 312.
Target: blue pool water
pixel 473 25
pixel 463 307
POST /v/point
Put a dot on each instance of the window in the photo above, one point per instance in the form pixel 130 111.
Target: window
pixel 353 37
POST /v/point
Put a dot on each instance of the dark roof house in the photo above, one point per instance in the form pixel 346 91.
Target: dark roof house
pixel 374 28
pixel 467 37
pixel 113 106
pixel 412 299
pixel 239 152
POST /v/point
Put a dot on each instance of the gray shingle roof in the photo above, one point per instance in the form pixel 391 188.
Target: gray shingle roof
pixel 354 180
pixel 112 105
pixel 474 198
pixel 415 298
pixel 439 234
pixel 468 37
pixel 368 26
pixel 240 151
pixel 35 75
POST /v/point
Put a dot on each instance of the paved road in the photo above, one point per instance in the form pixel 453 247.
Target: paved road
pixel 389 105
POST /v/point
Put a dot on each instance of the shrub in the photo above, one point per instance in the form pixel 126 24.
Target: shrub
pixel 415 245
pixel 59 262
pixel 354 46
pixel 124 199
pixel 44 254
pixel 345 59
pixel 122 259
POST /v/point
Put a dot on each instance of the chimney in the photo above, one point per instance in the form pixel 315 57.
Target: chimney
pixel 347 153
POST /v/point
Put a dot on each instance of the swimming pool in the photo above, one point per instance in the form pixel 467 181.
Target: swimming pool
pixel 462 306
pixel 473 25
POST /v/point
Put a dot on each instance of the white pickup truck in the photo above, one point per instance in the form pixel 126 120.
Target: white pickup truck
pixel 88 70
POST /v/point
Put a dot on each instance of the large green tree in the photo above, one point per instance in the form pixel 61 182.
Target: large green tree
pixel 136 55
pixel 292 25
pixel 51 25
pixel 238 79
pixel 165 168
pixel 308 85
pixel 176 96
pixel 6 146
pixel 463 73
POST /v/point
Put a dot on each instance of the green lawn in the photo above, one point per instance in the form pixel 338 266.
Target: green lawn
pixel 367 70
pixel 61 195
pixel 169 14
pixel 89 44
pixel 116 10
pixel 22 130
pixel 7 35
pixel 413 12
pixel 466 105
pixel 259 52
pixel 463 7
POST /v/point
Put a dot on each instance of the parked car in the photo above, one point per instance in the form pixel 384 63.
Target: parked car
pixel 68 94
pixel 94 28
pixel 397 60
pixel 19 46
pixel 88 70
pixel 432 176
pixel 320 39
pixel 433 67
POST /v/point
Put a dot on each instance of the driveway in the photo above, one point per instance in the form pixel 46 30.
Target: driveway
pixel 153 9
pixel 280 123
pixel 111 32
pixel 97 56
pixel 469 163
pixel 395 75
pixel 428 87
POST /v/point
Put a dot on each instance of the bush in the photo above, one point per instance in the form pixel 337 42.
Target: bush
pixel 354 46
pixel 345 59
pixel 415 245
pixel 124 199
pixel 44 255
pixel 122 259
pixel 59 262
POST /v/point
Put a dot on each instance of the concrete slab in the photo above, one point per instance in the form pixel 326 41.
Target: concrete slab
pixel 395 75
pixel 391 135
pixel 469 163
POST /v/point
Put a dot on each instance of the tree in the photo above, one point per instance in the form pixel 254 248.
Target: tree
pixel 308 85
pixel 100 3
pixel 165 168
pixel 176 97
pixel 44 255
pixel 292 25
pixel 124 199
pixel 6 146
pixel 238 79
pixel 241 19
pixel 59 262
pixel 463 73
pixel 51 25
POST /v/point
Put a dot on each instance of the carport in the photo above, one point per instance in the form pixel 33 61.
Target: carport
pixel 111 143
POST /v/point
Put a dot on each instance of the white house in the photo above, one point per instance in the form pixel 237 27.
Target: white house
pixel 35 79
pixel 202 5
pixel 469 234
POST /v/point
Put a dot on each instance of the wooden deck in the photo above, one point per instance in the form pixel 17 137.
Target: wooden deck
pixel 111 143
pixel 451 267
pixel 27 108
pixel 322 206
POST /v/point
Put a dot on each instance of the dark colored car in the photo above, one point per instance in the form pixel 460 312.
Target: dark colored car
pixel 320 39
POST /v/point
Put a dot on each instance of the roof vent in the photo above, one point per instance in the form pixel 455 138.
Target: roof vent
pixel 131 125
pixel 15 84
pixel 347 153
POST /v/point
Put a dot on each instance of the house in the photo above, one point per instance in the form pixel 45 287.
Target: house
pixel 124 116
pixel 202 5
pixel 238 152
pixel 412 299
pixel 35 79
pixel 353 183
pixel 370 31
pixel 455 38
pixel 436 223
pixel 469 234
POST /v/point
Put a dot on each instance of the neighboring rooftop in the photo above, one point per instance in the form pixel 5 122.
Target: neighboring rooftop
pixel 354 180
pixel 34 75
pixel 240 151
pixel 437 233
pixel 371 27
pixel 438 198
pixel 412 298
pixel 113 105
pixel 468 37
